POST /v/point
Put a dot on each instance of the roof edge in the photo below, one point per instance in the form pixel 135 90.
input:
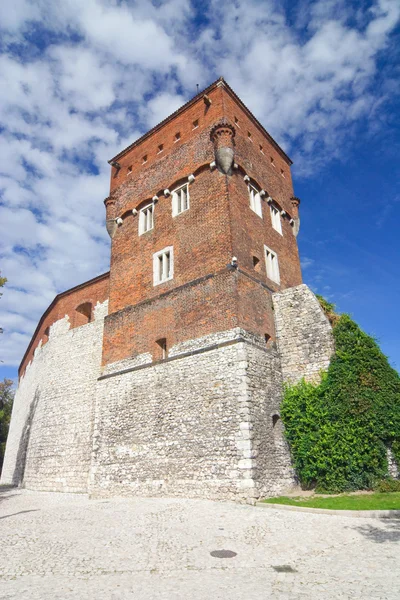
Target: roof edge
pixel 219 82
pixel 52 304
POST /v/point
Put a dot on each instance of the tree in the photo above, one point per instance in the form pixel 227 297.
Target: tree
pixel 6 401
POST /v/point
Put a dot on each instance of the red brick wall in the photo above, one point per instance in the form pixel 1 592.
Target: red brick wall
pixel 186 313
pixel 250 233
pixel 93 291
pixel 200 237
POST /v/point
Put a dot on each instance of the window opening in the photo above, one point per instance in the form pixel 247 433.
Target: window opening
pixel 162 347
pixel 195 124
pixel 275 419
pixel 177 137
pixel 256 263
pixel 145 159
pixel 236 121
pixel 129 169
pixel 249 136
pixel 255 200
pixel 160 148
pixel 146 219
pixel 180 200
pixel 163 266
pixel 271 260
pixel 276 219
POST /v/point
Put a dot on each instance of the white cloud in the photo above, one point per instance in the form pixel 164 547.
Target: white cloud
pixel 162 105
pixel 114 69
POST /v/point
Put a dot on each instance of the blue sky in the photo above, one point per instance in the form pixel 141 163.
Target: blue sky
pixel 79 81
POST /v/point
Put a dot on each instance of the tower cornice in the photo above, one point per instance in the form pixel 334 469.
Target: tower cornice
pixel 219 83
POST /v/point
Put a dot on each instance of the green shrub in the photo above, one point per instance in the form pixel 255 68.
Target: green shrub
pixel 338 431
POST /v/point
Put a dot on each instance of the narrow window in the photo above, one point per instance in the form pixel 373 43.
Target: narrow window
pixel 267 339
pixel 236 121
pixel 146 219
pixel 180 200
pixel 162 350
pixel 129 169
pixel 261 149
pixel 177 137
pixel 249 136
pixel 195 124
pixel 160 148
pixel 282 173
pixel 275 419
pixel 255 200
pixel 256 263
pixel 272 160
pixel 276 219
pixel 271 261
pixel 163 265
pixel 145 159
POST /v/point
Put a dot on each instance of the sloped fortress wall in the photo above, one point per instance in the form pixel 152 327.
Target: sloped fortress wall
pixel 50 438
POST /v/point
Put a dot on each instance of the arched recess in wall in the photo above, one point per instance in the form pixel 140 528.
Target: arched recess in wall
pixel 46 334
pixel 83 314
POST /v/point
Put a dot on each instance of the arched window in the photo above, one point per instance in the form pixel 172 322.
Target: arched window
pixel 83 314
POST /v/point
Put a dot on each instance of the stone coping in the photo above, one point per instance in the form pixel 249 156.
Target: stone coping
pixel 369 514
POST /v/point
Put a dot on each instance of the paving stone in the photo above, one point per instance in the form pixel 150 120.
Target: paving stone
pixel 67 547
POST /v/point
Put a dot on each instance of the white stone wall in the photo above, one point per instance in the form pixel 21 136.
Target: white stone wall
pixel 50 438
pixel 303 333
pixel 197 426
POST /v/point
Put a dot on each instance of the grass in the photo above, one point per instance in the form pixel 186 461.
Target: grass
pixel 376 501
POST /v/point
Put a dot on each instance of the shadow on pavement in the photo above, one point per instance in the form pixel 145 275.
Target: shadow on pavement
pixel 5 492
pixel 19 513
pixel 388 532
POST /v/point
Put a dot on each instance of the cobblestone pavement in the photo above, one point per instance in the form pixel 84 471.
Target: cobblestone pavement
pixel 56 546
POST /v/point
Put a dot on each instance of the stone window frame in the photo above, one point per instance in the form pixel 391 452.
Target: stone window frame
pixel 255 199
pixel 163 265
pixel 144 220
pixel 177 199
pixel 276 218
pixel 272 265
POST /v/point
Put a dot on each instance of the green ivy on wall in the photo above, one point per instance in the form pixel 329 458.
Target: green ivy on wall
pixel 339 430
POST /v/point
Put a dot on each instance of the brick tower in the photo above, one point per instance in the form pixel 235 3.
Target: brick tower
pixel 164 376
pixel 203 222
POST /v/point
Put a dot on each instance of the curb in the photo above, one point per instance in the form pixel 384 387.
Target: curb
pixel 371 514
